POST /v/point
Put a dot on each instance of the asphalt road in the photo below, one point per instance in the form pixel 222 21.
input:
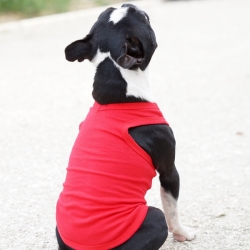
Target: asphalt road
pixel 200 76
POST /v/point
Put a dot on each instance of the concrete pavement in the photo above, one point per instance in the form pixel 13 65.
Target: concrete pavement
pixel 200 76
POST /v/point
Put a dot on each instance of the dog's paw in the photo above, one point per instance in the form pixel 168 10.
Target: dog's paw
pixel 183 234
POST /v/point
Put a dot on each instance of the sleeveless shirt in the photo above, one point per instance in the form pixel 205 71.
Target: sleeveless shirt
pixel 102 203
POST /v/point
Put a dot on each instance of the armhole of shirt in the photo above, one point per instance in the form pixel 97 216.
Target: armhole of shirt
pixel 137 123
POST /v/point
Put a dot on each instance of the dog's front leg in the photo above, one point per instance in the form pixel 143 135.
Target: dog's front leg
pixel 170 185
pixel 169 196
pixel 160 145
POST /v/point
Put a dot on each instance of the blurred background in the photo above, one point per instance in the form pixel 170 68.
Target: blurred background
pixel 18 9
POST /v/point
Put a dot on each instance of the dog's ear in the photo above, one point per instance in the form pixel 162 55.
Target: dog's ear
pixel 79 50
pixel 131 54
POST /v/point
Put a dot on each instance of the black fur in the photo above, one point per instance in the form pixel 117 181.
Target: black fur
pixel 159 142
pixel 134 31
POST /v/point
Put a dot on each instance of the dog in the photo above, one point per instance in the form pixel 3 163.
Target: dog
pixel 121 144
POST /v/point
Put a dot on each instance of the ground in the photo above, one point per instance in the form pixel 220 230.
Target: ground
pixel 200 76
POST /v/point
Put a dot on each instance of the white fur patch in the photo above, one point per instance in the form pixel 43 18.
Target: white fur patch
pixel 170 209
pixel 137 80
pixel 137 83
pixel 118 14
pixel 169 204
pixel 100 57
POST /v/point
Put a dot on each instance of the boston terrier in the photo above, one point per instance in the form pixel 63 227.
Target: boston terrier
pixel 121 144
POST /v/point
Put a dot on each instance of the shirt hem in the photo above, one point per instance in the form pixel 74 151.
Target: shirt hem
pixel 109 245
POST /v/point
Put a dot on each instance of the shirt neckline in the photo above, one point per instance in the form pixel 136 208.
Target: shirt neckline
pixel 129 105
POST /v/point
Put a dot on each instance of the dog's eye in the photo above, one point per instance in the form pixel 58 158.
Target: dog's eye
pixel 147 17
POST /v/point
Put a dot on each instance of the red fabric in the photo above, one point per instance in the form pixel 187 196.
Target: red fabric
pixel 102 203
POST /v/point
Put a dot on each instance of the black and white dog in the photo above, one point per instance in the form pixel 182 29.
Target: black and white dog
pixel 120 45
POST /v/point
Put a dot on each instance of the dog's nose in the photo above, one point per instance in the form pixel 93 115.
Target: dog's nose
pixel 128 5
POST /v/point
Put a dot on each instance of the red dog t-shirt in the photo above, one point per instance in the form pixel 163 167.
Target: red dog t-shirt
pixel 102 203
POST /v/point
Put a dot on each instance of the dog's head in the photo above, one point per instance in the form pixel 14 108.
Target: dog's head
pixel 124 33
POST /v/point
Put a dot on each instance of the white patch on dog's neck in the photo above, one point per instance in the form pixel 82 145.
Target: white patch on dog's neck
pixel 137 80
pixel 118 14
pixel 100 57
pixel 137 83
